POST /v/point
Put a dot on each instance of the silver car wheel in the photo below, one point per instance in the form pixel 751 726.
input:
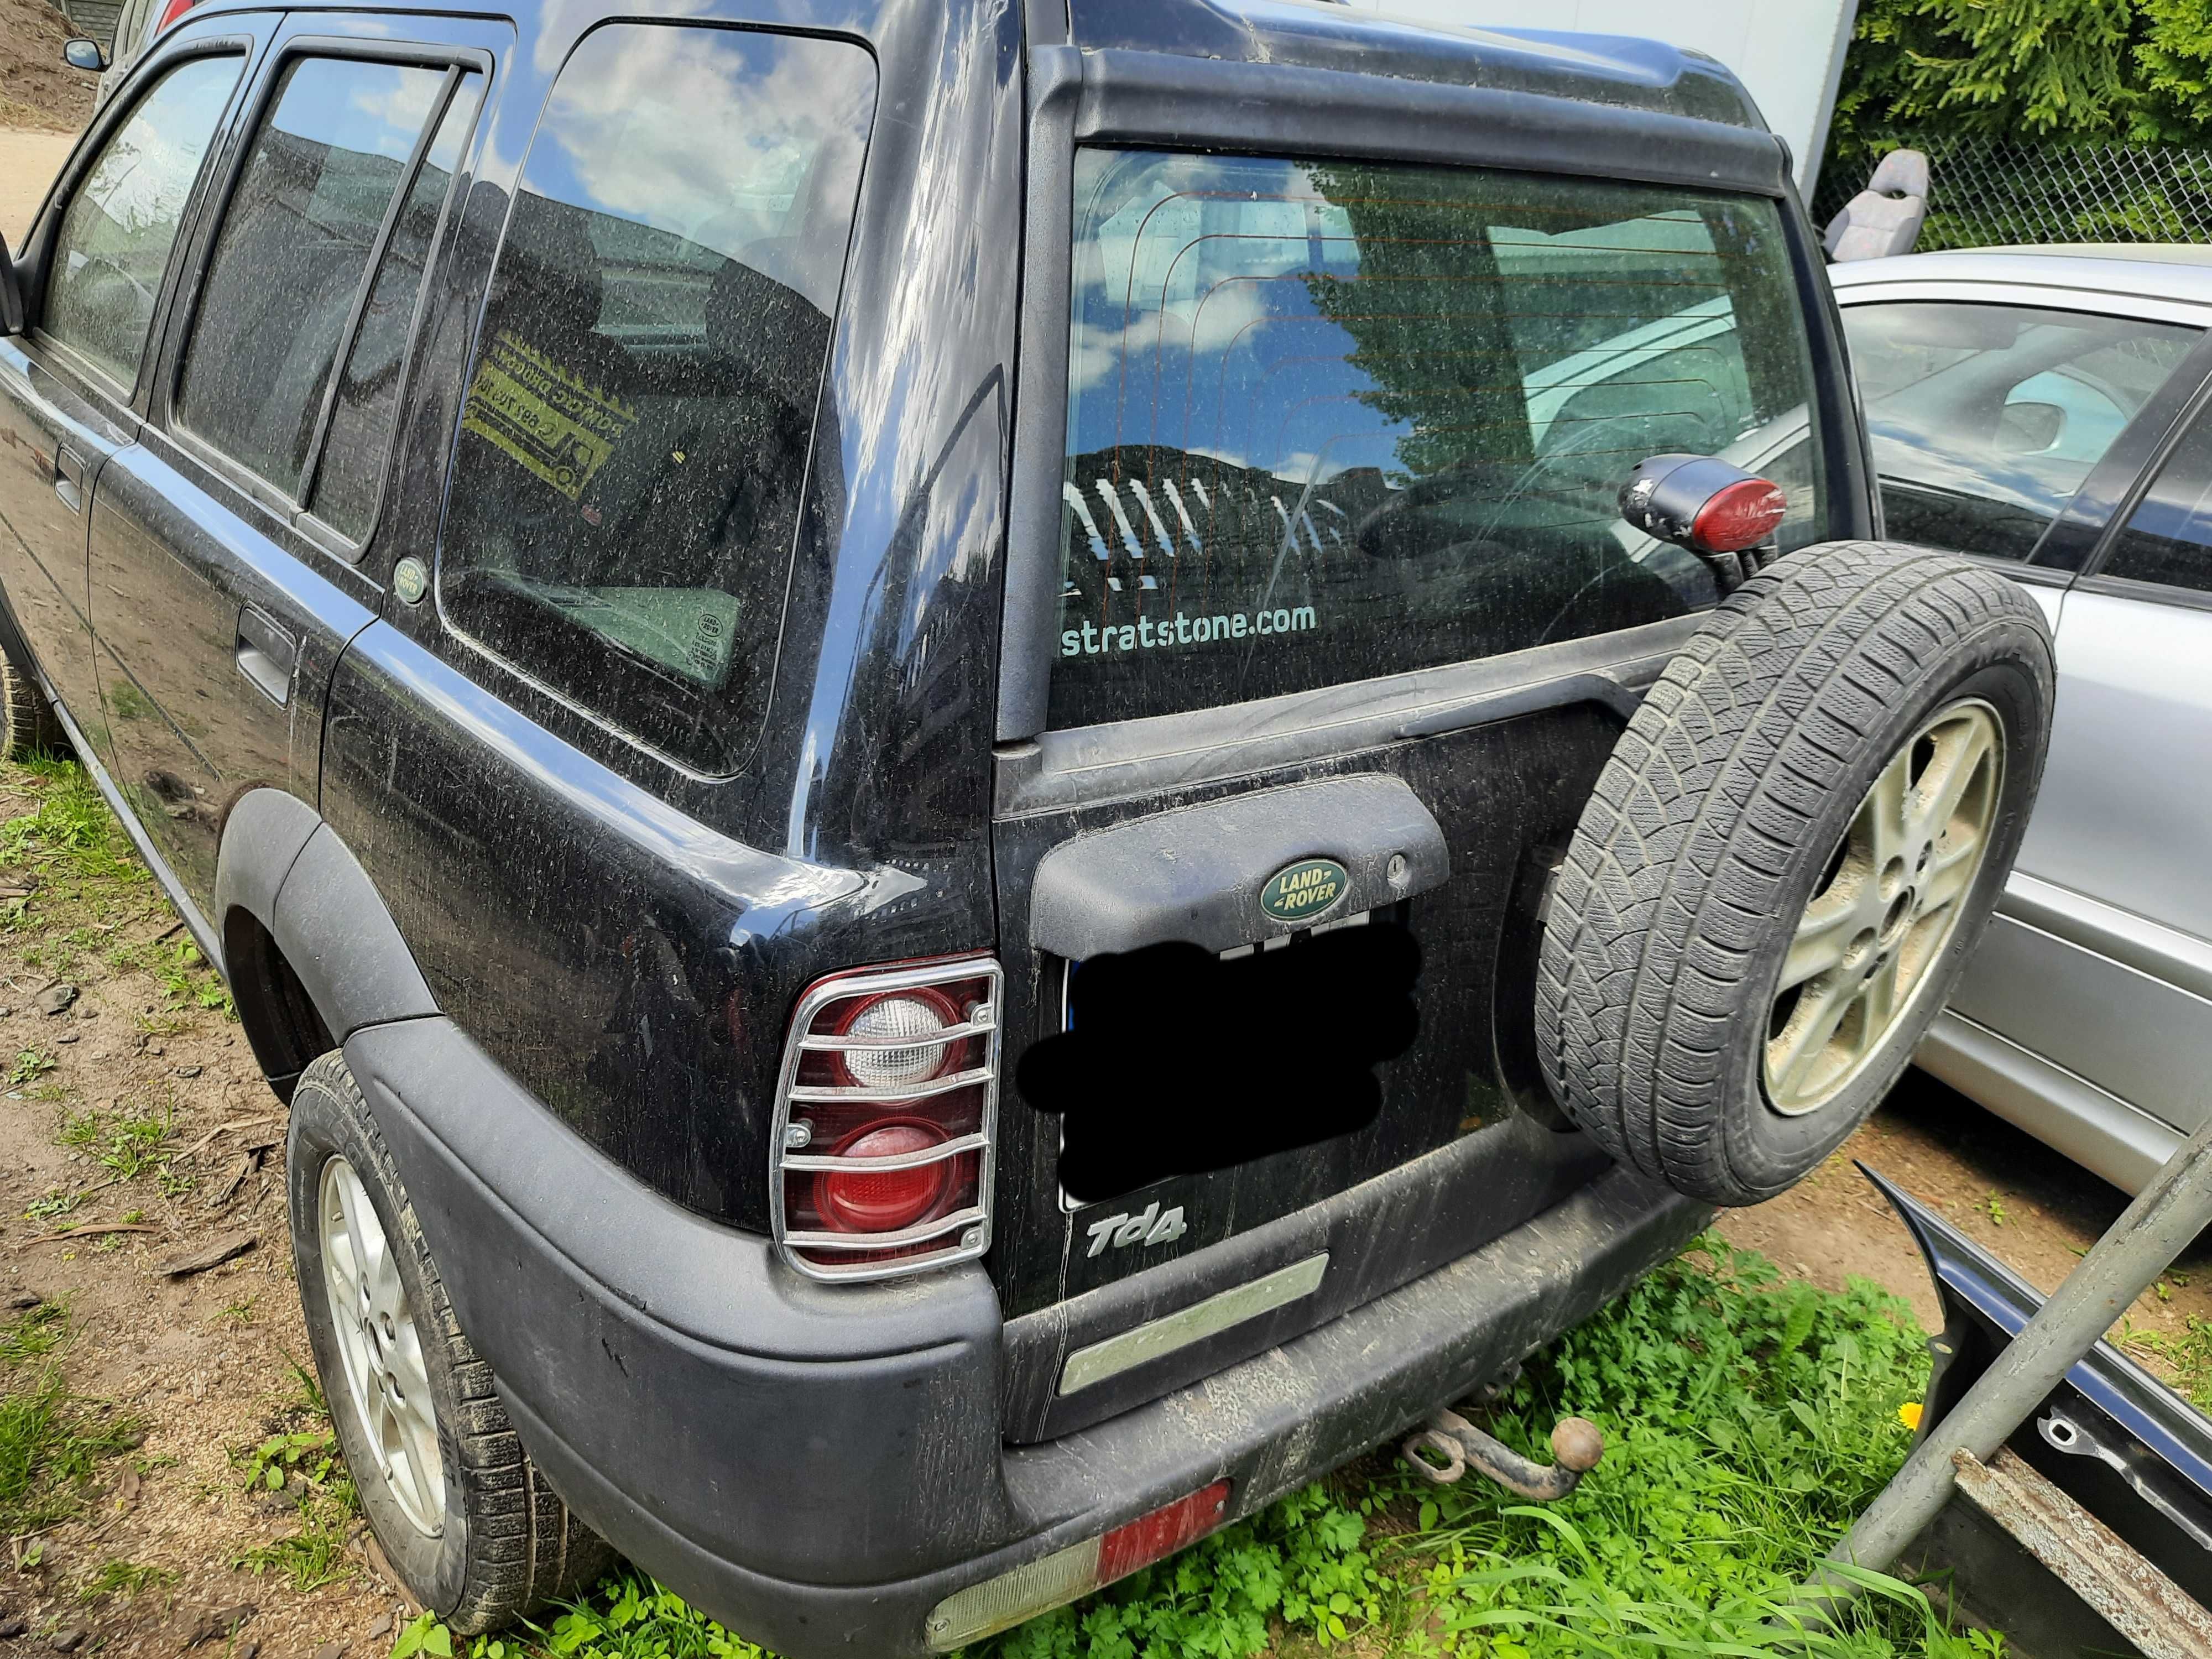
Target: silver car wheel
pixel 1889 906
pixel 386 1383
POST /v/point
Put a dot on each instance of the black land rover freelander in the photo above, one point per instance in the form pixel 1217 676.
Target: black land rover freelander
pixel 962 759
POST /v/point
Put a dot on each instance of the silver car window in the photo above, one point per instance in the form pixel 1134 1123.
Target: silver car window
pixel 1986 418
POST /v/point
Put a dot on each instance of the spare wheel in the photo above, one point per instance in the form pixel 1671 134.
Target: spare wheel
pixel 1787 860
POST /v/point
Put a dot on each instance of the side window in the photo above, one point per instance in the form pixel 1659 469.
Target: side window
pixel 635 438
pixel 351 470
pixel 329 162
pixel 119 228
pixel 2168 537
pixel 1986 419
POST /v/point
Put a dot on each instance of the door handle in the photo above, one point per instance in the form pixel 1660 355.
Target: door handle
pixel 266 653
pixel 69 471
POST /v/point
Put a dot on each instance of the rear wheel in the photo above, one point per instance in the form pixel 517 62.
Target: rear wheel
pixel 1787 860
pixel 460 1510
pixel 28 725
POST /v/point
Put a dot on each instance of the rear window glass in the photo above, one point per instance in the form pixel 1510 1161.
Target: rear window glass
pixel 1333 421
pixel 639 414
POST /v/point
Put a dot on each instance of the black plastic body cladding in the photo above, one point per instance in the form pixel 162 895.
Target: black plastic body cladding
pixel 655 1364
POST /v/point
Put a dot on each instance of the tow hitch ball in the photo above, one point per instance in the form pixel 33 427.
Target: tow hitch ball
pixel 1577 1441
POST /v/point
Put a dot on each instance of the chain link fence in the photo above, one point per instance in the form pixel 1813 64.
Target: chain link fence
pixel 1988 192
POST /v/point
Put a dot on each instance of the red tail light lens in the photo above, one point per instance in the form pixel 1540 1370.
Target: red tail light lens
pixel 173 11
pixel 881 1163
pixel 883 1201
pixel 1744 514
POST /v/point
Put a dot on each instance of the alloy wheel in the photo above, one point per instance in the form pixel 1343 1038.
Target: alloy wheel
pixel 379 1348
pixel 1889 901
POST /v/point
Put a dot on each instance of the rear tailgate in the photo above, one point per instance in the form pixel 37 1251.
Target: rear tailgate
pixel 1348 625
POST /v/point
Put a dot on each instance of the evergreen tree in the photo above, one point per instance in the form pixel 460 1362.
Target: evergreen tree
pixel 2018 67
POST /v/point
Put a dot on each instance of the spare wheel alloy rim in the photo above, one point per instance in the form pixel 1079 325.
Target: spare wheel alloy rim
pixel 379 1347
pixel 1888 904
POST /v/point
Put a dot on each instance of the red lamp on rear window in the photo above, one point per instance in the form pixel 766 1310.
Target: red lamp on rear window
pixel 1725 515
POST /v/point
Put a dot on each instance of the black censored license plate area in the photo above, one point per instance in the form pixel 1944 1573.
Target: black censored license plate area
pixel 1173 1060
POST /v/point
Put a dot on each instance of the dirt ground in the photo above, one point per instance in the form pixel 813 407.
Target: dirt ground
pixel 135 1108
pixel 44 103
pixel 37 89
pixel 2033 1208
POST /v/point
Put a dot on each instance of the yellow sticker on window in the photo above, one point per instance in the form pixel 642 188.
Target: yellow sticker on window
pixel 545 418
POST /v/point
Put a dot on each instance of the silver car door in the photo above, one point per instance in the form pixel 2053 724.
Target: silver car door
pixel 2102 958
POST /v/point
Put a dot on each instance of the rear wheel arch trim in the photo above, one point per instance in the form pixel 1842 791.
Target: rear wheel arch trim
pixel 291 899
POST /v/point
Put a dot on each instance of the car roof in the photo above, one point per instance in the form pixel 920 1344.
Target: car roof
pixel 1619 71
pixel 2148 269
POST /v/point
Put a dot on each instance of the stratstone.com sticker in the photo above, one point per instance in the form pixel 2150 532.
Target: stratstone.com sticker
pixel 545 418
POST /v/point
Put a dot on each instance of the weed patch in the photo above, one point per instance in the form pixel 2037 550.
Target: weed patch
pixel 314 1555
pixel 1747 1420
pixel 70 832
pixel 183 973
pixel 127 1143
pixel 2189 1354
pixel 54 1202
pixel 124 1578
pixel 30 1065
pixel 326 1505
pixel 51 1443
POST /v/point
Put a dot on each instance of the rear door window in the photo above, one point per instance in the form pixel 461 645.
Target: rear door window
pixel 2167 539
pixel 1333 421
pixel 1986 418
pixel 639 414
pixel 338 151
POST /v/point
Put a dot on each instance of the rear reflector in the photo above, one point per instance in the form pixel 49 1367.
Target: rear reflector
pixel 1742 515
pixel 1001 1603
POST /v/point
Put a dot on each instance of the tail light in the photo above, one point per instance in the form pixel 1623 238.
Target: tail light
pixel 1704 504
pixel 1000 1603
pixel 881 1160
pixel 173 11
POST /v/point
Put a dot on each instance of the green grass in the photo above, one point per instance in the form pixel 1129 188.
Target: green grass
pixel 2188 1355
pixel 128 1144
pixel 186 979
pixel 70 833
pixel 326 1505
pixel 315 1554
pixel 1747 1420
pixel 55 1203
pixel 124 1578
pixel 30 1065
pixel 36 1331
pixel 51 1443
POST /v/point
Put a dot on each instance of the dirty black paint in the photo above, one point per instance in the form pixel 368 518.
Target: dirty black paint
pixel 1178 1062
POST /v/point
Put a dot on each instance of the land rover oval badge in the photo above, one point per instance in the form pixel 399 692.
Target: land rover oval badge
pixel 1303 890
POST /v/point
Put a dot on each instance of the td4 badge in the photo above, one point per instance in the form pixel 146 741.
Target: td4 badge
pixel 1150 1226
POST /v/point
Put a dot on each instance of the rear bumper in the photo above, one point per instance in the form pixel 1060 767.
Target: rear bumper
pixel 820 1465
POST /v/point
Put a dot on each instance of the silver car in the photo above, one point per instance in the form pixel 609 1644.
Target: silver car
pixel 2050 409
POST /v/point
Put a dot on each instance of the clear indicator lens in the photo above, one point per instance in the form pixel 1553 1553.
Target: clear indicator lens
pixel 896 1067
